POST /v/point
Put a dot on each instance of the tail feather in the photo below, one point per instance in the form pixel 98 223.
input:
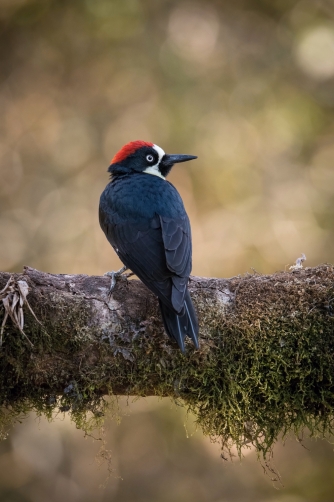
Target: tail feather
pixel 178 326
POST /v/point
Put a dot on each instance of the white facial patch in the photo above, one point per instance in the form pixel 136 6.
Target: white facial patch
pixel 155 169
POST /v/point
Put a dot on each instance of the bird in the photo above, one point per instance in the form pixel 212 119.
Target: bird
pixel 144 219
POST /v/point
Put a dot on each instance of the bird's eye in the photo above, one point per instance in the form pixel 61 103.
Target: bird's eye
pixel 149 158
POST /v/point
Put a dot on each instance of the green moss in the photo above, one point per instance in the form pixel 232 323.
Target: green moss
pixel 271 370
pixel 51 358
pixel 265 367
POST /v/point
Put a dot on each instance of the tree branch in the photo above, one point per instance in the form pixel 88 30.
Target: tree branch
pixel 265 364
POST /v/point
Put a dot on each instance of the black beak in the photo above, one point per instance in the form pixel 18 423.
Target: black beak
pixel 168 161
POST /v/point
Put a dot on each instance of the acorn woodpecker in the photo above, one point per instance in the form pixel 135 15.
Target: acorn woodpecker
pixel 143 218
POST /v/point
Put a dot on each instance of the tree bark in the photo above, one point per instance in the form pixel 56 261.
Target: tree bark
pixel 265 363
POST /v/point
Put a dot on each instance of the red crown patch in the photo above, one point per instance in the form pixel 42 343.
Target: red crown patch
pixel 128 149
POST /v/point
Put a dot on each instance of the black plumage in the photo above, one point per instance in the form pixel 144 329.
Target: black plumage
pixel 144 219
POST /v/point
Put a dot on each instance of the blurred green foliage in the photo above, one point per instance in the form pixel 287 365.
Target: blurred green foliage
pixel 245 85
pixel 248 87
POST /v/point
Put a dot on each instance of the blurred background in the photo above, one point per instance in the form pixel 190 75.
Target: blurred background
pixel 248 86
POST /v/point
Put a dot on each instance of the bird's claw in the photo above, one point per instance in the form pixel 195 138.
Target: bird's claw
pixel 114 275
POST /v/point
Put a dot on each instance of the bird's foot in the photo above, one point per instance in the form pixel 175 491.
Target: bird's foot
pixel 114 275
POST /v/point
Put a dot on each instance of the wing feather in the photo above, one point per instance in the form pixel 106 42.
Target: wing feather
pixel 176 235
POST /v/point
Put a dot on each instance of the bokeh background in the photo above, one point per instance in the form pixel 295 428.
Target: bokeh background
pixel 248 86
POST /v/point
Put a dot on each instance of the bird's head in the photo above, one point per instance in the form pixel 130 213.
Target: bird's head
pixel 144 157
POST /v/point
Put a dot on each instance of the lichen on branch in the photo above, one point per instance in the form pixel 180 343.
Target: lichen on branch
pixel 265 365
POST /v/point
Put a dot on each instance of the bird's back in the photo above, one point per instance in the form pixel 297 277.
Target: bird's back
pixel 140 196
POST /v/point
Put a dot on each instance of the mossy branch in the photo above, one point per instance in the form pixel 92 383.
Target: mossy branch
pixel 265 364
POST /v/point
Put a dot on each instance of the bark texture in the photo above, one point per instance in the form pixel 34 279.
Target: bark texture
pixel 265 364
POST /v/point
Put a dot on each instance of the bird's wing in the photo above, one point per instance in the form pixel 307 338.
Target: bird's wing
pixel 140 247
pixel 176 236
pixel 158 251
